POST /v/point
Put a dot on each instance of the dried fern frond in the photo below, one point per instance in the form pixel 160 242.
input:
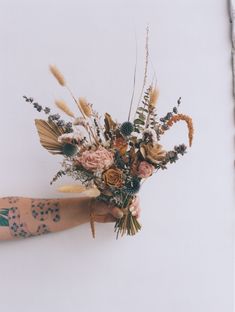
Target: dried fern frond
pixel 180 117
pixel 85 107
pixel 48 133
pixel 153 97
pixel 64 107
pixel 57 74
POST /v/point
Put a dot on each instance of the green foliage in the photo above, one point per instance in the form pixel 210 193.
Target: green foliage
pixel 142 113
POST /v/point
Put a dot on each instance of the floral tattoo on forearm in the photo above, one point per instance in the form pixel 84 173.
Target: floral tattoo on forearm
pixel 41 211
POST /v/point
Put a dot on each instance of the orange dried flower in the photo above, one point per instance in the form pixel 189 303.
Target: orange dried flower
pixel 189 122
pixel 113 177
pixel 121 145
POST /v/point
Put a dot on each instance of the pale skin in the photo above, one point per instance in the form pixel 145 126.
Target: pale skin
pixel 26 217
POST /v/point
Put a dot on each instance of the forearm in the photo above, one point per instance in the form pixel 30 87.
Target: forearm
pixel 25 217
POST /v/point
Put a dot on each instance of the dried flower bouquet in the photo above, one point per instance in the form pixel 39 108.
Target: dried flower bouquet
pixel 110 159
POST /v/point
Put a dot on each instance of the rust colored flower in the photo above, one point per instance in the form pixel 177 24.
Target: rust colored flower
pixel 121 145
pixel 152 152
pixel 113 177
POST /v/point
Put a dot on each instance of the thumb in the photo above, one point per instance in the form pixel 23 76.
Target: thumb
pixel 116 212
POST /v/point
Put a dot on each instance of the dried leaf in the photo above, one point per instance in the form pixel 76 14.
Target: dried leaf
pixel 48 133
pixel 109 125
pixel 138 122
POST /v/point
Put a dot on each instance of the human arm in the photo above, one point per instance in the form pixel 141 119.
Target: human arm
pixel 25 217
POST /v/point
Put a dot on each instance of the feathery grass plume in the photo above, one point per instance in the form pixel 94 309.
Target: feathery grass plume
pixel 64 107
pixel 57 74
pixel 153 97
pixel 84 105
pixel 189 122
pixel 72 188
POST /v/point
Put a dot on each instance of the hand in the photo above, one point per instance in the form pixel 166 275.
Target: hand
pixel 104 213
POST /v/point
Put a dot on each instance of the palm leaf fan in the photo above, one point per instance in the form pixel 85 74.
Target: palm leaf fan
pixel 48 133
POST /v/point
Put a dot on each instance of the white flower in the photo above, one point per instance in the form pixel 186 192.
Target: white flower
pixel 151 133
pixel 80 121
pixel 68 137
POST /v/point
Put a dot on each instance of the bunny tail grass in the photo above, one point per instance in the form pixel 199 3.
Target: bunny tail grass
pixel 57 74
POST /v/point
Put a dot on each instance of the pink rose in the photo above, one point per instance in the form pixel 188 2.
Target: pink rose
pixel 145 169
pixel 98 160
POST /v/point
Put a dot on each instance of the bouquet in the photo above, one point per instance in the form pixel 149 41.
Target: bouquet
pixel 109 158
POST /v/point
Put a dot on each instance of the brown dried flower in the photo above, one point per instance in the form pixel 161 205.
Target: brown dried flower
pixel 113 177
pixel 152 152
pixel 121 145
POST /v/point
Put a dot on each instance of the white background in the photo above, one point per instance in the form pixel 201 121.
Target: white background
pixel 182 259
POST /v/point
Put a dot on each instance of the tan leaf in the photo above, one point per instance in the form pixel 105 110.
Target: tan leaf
pixel 48 133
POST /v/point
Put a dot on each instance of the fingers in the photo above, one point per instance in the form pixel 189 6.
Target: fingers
pixel 135 207
pixel 111 215
pixel 116 213
pixel 105 213
pixel 104 218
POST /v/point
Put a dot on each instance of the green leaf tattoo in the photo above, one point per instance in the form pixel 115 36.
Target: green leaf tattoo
pixel 4 217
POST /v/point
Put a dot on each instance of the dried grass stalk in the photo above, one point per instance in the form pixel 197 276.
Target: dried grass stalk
pixel 146 64
pixel 57 74
pixel 64 107
pixel 189 122
pixel 85 107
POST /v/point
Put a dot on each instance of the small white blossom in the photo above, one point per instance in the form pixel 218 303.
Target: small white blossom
pixel 151 133
pixel 80 121
pixel 68 137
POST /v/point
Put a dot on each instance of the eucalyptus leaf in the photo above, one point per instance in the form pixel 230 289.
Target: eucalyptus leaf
pixel 142 116
pixel 142 109
pixel 138 122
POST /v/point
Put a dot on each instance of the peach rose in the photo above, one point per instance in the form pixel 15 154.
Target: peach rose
pixel 145 169
pixel 152 152
pixel 113 177
pixel 97 160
